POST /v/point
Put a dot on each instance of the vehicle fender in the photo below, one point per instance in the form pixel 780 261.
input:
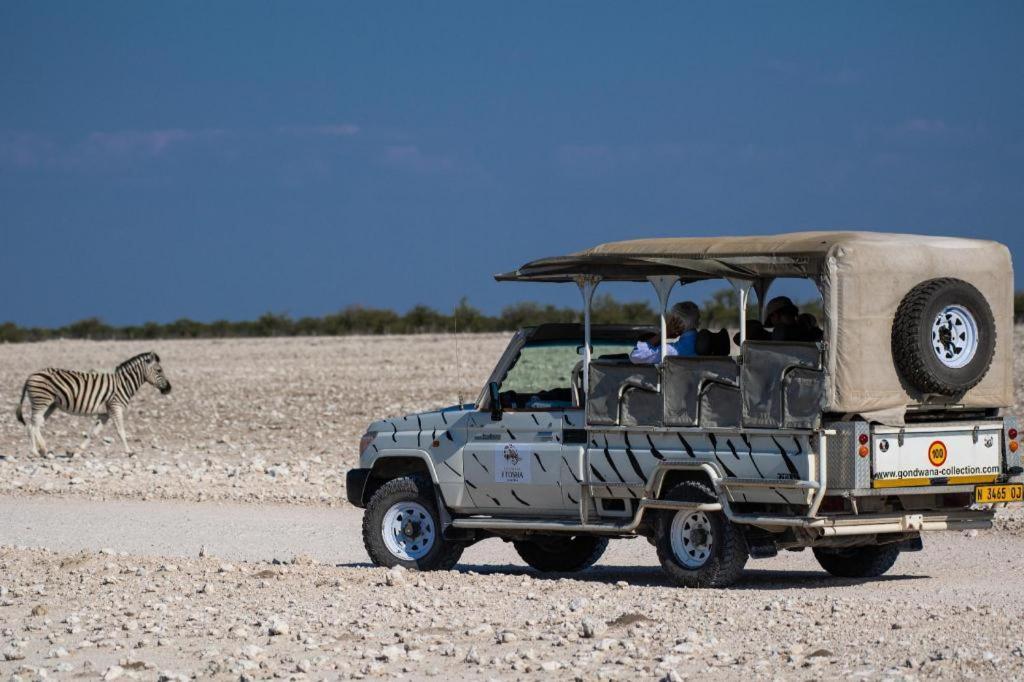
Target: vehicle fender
pixel 682 471
pixel 388 463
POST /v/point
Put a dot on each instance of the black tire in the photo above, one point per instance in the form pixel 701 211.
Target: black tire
pixel 913 337
pixel 728 554
pixel 858 562
pixel 561 553
pixel 443 554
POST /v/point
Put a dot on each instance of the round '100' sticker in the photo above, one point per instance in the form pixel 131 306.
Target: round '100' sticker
pixel 937 453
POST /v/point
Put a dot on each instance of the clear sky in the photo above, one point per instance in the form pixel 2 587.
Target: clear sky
pixel 219 160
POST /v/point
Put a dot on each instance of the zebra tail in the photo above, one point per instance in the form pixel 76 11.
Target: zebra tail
pixel 17 411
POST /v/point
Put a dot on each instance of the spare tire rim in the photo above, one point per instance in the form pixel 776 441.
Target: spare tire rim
pixel 692 538
pixel 955 336
pixel 408 530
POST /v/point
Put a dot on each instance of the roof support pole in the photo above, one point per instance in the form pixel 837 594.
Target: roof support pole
pixel 663 287
pixel 761 289
pixel 742 287
pixel 587 285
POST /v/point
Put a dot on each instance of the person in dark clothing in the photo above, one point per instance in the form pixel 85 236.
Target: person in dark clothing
pixel 809 329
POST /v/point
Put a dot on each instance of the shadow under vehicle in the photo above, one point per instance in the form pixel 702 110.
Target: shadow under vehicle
pixel 889 426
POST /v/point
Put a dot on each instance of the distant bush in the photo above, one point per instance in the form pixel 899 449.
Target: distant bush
pixel 719 311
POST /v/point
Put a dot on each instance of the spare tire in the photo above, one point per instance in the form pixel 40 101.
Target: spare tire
pixel 943 337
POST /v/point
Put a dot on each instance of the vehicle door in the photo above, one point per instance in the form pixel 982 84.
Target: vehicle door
pixel 519 464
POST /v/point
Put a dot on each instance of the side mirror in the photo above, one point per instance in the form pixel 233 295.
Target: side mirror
pixel 492 389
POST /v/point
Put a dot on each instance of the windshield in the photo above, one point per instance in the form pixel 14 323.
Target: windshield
pixel 542 374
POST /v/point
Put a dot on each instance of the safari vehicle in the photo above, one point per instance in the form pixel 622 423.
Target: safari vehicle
pixel 853 446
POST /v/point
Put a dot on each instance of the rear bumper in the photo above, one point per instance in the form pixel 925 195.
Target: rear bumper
pixel 355 484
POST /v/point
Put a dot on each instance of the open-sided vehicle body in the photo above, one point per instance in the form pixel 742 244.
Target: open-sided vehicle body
pixel 891 425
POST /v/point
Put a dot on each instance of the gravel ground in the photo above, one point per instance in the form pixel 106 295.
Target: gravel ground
pixel 276 421
pixel 257 420
pixel 944 613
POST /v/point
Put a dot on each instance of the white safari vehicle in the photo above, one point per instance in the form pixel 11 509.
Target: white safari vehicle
pixel 890 426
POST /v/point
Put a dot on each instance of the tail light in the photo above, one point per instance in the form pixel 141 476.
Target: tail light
pixel 863 438
pixel 1014 445
pixel 1012 433
pixel 863 452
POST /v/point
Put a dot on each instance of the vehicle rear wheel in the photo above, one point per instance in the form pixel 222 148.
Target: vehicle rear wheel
pixel 943 337
pixel 858 562
pixel 561 553
pixel 698 548
pixel 401 526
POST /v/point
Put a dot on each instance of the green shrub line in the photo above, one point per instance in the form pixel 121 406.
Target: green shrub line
pixel 718 311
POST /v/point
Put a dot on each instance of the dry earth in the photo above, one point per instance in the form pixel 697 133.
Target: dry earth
pixel 277 420
pixel 253 420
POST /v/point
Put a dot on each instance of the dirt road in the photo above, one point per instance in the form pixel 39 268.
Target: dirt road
pixel 237 532
pixel 251 609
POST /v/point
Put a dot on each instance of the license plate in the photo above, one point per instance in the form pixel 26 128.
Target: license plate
pixel 987 494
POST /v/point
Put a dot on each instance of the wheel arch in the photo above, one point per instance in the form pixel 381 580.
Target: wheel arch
pixel 670 475
pixel 392 464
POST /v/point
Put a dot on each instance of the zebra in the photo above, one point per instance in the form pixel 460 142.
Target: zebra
pixel 103 394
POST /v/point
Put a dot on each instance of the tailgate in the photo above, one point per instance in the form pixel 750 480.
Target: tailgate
pixel 947 455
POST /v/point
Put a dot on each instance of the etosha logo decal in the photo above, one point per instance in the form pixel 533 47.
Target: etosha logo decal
pixel 510 454
pixel 937 453
pixel 511 463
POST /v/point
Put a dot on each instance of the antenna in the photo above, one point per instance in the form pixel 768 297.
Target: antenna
pixel 458 364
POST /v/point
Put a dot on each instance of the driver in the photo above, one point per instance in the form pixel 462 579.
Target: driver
pixel 683 321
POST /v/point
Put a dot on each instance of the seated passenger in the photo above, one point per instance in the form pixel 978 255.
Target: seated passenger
pixel 780 316
pixel 809 329
pixel 788 324
pixel 755 332
pixel 683 320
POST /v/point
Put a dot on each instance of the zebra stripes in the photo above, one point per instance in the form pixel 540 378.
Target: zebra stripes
pixel 105 394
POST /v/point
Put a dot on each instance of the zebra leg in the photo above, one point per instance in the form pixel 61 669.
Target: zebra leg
pixel 38 419
pixel 30 425
pixel 101 421
pixel 117 416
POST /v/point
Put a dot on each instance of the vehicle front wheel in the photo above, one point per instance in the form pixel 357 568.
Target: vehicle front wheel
pixel 401 526
pixel 698 548
pixel 858 562
pixel 561 553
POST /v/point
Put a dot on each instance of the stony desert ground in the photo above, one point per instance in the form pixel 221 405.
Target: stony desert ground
pixel 262 432
pixel 259 420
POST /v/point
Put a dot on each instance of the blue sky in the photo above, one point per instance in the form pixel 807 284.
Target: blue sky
pixel 219 160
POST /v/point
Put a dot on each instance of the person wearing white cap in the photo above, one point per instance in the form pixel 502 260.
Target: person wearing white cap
pixel 683 321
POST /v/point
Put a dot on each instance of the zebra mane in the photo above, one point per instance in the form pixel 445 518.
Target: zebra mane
pixel 141 357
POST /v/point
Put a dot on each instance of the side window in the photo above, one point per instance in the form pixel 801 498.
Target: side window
pixel 541 368
pixel 542 375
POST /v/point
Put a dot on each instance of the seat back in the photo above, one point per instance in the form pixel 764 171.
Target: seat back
pixel 700 391
pixel 623 393
pixel 782 384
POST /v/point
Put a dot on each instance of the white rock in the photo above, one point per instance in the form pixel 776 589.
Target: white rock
pixel 277 626
pixel 592 627
pixel 113 672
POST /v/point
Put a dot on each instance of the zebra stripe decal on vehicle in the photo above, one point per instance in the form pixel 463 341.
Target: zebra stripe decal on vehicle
pixel 481 463
pixel 785 456
pixel 608 450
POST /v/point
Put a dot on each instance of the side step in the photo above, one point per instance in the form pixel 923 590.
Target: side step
pixel 766 483
pixel 565 526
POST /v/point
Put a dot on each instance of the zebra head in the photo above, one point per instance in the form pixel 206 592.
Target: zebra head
pixel 154 373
